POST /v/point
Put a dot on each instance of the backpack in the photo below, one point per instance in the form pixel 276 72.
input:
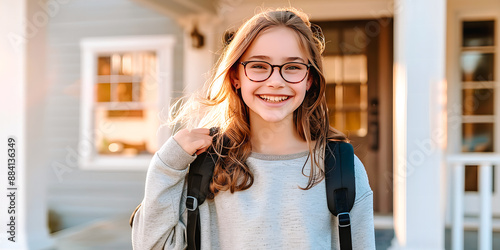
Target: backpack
pixel 339 179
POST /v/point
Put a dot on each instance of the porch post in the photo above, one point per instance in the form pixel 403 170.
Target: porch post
pixel 23 220
pixel 419 124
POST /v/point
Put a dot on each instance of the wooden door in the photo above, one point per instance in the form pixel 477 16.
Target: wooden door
pixel 358 69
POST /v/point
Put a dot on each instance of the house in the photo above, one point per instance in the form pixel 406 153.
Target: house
pixel 413 83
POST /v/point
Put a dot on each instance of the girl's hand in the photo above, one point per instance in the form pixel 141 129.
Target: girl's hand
pixel 194 141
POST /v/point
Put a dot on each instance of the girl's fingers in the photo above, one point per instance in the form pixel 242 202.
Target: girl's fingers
pixel 202 131
pixel 194 141
pixel 200 151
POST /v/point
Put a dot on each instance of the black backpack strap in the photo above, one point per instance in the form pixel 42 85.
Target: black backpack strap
pixel 201 172
pixel 340 187
pixel 199 178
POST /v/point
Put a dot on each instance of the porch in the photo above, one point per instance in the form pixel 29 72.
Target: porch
pixel 115 234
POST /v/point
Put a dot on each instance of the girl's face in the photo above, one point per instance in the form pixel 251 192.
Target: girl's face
pixel 273 100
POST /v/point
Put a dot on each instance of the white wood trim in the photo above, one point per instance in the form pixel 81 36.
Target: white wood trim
pixel 163 46
pixel 485 217
pixel 457 230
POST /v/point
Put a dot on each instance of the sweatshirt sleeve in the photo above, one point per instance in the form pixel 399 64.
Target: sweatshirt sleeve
pixel 362 228
pixel 160 222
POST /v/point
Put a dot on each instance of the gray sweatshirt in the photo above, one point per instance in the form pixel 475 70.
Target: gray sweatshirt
pixel 274 213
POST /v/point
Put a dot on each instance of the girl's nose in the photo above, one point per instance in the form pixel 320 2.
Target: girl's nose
pixel 275 80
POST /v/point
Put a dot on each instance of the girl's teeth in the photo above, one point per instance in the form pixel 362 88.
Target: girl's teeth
pixel 273 98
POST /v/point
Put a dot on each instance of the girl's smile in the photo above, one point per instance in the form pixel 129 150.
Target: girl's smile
pixel 274 98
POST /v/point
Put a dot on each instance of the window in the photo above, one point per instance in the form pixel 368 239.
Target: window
pixel 346 78
pixel 345 65
pixel 477 62
pixel 126 82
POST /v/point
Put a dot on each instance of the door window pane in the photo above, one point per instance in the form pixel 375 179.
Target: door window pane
pixel 332 69
pixel 355 68
pixel 477 66
pixel 478 101
pixel 330 96
pixel 477 137
pixel 354 41
pixel 352 95
pixel 332 34
pixel 478 33
pixel 353 121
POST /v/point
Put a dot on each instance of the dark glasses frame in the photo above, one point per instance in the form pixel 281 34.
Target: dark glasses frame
pixel 245 63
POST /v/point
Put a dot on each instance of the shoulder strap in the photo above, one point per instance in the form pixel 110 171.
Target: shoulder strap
pixel 340 187
pixel 199 177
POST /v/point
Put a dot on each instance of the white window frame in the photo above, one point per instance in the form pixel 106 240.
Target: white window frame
pixel 472 199
pixel 91 48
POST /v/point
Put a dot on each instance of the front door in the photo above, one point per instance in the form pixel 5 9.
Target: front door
pixel 358 70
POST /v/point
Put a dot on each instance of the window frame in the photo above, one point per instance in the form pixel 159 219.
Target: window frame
pixel 470 85
pixel 91 48
pixel 471 198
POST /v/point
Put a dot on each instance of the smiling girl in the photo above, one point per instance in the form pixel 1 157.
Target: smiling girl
pixel 267 97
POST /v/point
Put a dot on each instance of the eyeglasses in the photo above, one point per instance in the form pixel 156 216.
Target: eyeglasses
pixel 291 72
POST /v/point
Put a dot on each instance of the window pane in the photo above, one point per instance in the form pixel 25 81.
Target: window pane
pixel 353 121
pixel 103 92
pixel 332 69
pixel 125 113
pixel 477 66
pixel 330 96
pixel 355 69
pixel 478 33
pixel 124 90
pixel 127 64
pixel 477 137
pixel 116 64
pixel 104 65
pixel 354 42
pixel 333 120
pixel 478 101
pixel 332 36
pixel 352 95
pixel 125 131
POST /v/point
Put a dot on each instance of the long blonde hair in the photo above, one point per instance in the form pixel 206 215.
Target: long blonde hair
pixel 220 105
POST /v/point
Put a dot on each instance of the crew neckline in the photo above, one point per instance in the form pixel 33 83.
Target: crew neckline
pixel 270 157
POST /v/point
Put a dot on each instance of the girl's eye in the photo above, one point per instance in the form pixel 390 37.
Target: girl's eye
pixel 259 66
pixel 294 67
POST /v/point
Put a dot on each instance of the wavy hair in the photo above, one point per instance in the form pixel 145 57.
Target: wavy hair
pixel 219 104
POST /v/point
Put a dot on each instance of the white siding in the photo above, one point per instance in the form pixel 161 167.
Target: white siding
pixel 82 196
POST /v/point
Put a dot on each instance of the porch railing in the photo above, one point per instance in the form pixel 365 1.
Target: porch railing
pixel 485 161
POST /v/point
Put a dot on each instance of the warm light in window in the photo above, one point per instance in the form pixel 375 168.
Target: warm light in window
pixel 127 64
pixel 115 147
pixel 116 64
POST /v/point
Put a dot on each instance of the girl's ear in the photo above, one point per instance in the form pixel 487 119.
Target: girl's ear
pixel 309 83
pixel 234 80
